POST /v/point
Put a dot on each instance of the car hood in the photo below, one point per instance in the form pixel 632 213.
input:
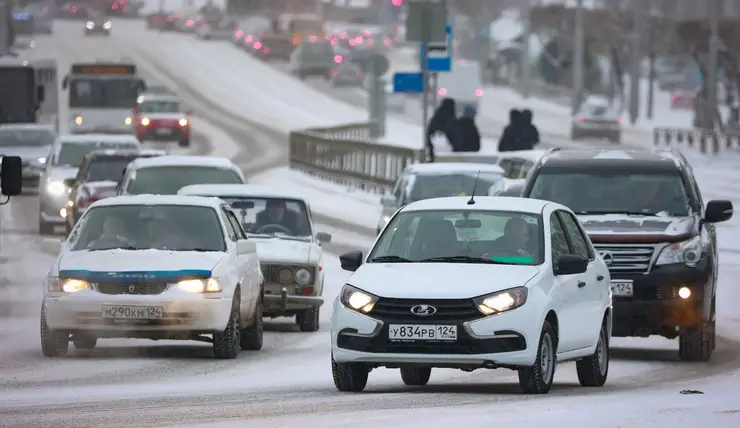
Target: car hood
pixel 139 261
pixel 26 153
pixel 439 280
pixel 286 251
pixel 617 228
pixel 62 172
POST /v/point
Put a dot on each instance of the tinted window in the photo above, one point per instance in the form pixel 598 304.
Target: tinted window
pixel 317 52
pixel 579 243
pixel 609 190
pixel 485 236
pixel 104 168
pixel 167 180
pixel 160 107
pixel 557 237
pixel 72 154
pixel 112 93
pixel 26 137
pixel 272 217
pixel 141 227
pixel 439 186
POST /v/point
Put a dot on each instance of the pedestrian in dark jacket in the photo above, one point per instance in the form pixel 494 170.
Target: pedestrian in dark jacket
pixel 469 137
pixel 530 134
pixel 444 121
pixel 511 138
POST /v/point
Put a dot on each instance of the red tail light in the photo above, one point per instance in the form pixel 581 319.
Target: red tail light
pixel 619 121
pixel 266 51
pixel 581 119
pixel 306 291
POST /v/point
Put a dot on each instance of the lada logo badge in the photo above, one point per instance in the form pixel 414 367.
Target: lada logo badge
pixel 608 257
pixel 423 310
pixel 131 288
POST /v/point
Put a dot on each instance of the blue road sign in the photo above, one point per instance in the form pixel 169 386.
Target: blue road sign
pixel 440 56
pixel 409 83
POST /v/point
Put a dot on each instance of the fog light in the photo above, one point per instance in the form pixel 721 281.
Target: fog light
pixel 684 292
pixel 63 213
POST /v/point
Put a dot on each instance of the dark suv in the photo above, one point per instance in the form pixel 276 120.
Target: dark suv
pixel 646 217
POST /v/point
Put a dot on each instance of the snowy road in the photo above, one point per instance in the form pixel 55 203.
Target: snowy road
pixel 143 383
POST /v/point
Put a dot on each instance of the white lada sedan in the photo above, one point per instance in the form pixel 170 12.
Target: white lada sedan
pixel 154 267
pixel 474 284
pixel 288 247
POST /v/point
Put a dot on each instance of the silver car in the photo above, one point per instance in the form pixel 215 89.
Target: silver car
pixel 32 143
pixel 596 119
pixel 347 74
pixel 222 30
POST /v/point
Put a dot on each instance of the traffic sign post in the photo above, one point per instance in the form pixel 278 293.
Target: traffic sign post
pixel 439 55
pixel 409 83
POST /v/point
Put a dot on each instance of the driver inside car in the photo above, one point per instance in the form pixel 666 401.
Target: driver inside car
pixel 113 234
pixel 276 213
pixel 515 241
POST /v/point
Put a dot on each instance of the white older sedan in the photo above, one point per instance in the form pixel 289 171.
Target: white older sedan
pixel 289 249
pixel 154 267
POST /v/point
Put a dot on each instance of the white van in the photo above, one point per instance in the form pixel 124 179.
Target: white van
pixel 463 84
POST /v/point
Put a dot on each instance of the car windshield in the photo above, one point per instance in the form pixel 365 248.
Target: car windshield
pixel 608 190
pixel 160 107
pixel 72 153
pixel 167 180
pixel 98 92
pixel 107 168
pixel 317 52
pixel 453 236
pixel 598 110
pixel 426 186
pixel 26 137
pixel 273 217
pixel 144 227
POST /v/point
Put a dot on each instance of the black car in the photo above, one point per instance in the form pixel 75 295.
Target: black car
pixel 313 59
pixel 98 23
pixel 647 219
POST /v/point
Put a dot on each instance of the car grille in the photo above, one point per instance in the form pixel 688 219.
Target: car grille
pixel 450 310
pixel 137 289
pixel 627 259
pixel 278 273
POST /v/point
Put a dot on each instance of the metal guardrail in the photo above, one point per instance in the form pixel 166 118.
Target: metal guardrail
pixel 346 155
pixel 706 141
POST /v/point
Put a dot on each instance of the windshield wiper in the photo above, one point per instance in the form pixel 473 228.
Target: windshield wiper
pixel 461 259
pixel 390 259
pixel 129 248
pixel 199 250
pixel 635 213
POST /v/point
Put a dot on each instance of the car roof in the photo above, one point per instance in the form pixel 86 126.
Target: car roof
pixel 27 126
pixel 94 138
pixel 482 203
pixel 126 152
pixel 452 168
pixel 175 160
pixel 570 158
pixel 160 200
pixel 239 190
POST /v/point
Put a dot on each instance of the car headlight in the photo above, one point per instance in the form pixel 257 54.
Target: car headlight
pixel 107 25
pixel 502 301
pixel 385 220
pixel 145 121
pixel 90 25
pixel 183 122
pixel 128 121
pixel 78 120
pixel 41 160
pixel 56 188
pixel 303 276
pixel 357 300
pixel 209 285
pixel 68 285
pixel 687 252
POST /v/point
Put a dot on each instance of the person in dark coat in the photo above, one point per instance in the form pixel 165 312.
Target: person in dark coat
pixel 530 133
pixel 469 137
pixel 511 138
pixel 444 121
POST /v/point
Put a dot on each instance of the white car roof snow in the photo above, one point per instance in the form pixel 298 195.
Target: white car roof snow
pixel 453 167
pixel 244 190
pixel 198 201
pixel 483 203
pixel 23 126
pixel 94 138
pixel 147 96
pixel 170 160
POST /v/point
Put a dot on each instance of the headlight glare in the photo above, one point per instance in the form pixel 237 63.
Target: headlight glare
pixel 107 25
pixel 78 120
pixel 357 300
pixel 128 121
pixel 502 301
pixel 303 276
pixel 145 121
pixel 209 285
pixel 41 160
pixel 67 285
pixel 183 122
pixel 56 187
pixel 688 252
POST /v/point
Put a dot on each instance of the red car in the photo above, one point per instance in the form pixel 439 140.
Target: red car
pixel 161 118
pixel 683 100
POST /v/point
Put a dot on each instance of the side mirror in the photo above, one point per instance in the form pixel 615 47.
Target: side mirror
pixel 323 237
pixel 70 182
pixel 40 94
pixel 388 201
pixel 65 82
pixel 351 261
pixel 717 211
pixel 570 264
pixel 245 246
pixel 51 246
pixel 11 175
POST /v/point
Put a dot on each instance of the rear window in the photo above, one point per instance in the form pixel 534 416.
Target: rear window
pixel 72 153
pixel 317 51
pixel 107 168
pixel 427 186
pixel 167 180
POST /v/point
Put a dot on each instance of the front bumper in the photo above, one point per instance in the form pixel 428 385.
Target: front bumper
pixel 280 299
pixel 182 312
pixel 656 307
pixel 50 206
pixel 164 133
pixel 504 340
pixel 103 31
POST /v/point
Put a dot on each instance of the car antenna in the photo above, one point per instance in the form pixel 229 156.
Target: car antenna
pixel 472 195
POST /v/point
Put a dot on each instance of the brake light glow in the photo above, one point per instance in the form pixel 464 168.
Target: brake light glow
pixel 581 119
pixel 248 39
pixel 479 92
pixel 190 23
pixel 387 42
pixel 619 121
pixel 266 51
pixel 338 59
pixel 239 33
pixel 183 122
pixel 442 92
pixel 258 45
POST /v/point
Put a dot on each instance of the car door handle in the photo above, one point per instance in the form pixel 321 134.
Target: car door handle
pixel 599 277
pixel 581 284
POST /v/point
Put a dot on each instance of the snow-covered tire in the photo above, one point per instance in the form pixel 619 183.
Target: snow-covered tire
pixel 308 320
pixel 53 343
pixel 537 379
pixel 697 343
pixel 416 376
pixel 349 377
pixel 226 343
pixel 594 369
pixel 252 337
pixel 84 341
